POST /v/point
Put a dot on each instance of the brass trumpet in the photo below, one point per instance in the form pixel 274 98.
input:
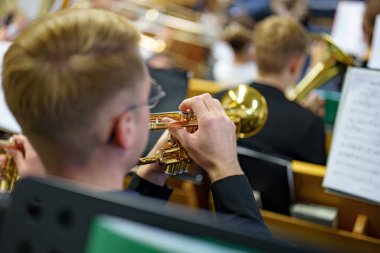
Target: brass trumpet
pixel 244 105
pixel 9 175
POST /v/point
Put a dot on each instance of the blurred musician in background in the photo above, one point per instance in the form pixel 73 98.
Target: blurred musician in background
pixel 11 22
pixel 77 84
pixel 291 130
pixel 242 68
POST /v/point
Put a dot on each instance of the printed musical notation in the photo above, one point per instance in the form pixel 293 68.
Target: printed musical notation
pixel 354 161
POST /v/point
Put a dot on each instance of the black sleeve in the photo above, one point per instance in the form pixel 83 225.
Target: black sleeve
pixel 219 95
pixel 4 203
pixel 146 188
pixel 311 145
pixel 233 196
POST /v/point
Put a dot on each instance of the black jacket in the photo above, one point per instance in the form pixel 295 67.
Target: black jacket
pixel 233 199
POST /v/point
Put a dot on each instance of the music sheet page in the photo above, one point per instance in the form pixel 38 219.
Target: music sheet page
pixel 353 166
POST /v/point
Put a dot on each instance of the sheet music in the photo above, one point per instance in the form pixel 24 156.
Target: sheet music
pixel 347 30
pixel 354 161
pixel 7 122
pixel 374 60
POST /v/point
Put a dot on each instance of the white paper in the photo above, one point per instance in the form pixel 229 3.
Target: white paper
pixel 353 166
pixel 7 122
pixel 347 30
pixel 374 60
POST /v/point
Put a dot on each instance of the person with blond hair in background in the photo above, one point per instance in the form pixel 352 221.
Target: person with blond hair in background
pixel 242 68
pixel 291 130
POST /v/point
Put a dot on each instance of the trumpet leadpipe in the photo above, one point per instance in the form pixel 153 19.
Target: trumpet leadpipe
pixel 8 144
pixel 176 119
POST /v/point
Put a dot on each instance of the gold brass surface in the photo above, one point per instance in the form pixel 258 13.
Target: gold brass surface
pixel 9 174
pixel 335 62
pixel 244 105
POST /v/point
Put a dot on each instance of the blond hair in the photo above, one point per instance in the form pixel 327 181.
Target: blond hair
pixel 278 40
pixel 62 70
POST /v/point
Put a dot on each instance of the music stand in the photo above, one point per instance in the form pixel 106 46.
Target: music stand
pixel 270 175
pixel 55 216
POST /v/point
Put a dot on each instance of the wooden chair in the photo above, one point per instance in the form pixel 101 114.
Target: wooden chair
pixel 358 222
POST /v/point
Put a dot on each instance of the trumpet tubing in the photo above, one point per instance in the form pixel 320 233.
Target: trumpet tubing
pixel 179 119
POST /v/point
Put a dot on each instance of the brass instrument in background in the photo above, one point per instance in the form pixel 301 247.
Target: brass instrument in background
pixel 9 174
pixel 244 105
pixel 171 29
pixel 334 63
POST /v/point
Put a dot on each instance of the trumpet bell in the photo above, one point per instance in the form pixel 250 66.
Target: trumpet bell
pixel 246 105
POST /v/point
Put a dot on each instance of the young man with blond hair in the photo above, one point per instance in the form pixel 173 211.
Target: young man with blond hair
pixel 77 85
pixel 291 130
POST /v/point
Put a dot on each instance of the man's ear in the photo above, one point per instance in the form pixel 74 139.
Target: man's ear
pixel 124 129
pixel 296 64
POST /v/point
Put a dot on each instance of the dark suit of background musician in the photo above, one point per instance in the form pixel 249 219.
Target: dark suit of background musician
pixel 290 130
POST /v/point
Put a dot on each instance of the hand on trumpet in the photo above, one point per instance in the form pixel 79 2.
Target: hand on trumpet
pixel 314 103
pixel 213 145
pixel 318 51
pixel 153 172
pixel 26 159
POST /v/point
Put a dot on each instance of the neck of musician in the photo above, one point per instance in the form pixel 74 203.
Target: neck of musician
pixel 282 81
pixel 100 171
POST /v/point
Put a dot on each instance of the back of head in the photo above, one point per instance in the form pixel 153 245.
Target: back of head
pixel 277 41
pixel 61 71
pixel 238 37
pixel 370 13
